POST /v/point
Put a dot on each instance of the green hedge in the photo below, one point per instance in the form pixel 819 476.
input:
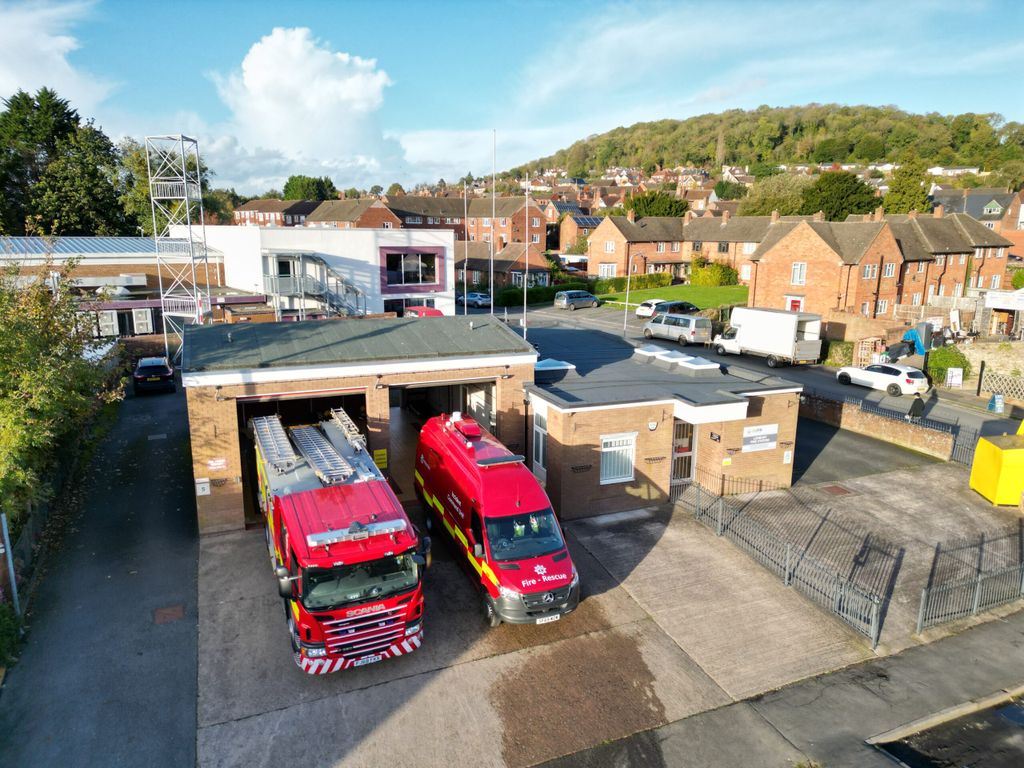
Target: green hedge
pixel 714 275
pixel 838 353
pixel 605 285
pixel 946 357
pixel 1018 279
pixel 513 297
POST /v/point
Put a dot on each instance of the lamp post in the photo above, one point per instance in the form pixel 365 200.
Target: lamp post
pixel 629 275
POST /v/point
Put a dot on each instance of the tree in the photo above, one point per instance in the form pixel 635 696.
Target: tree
pixel 77 193
pixel 220 204
pixel 352 193
pixel 376 189
pixel 579 247
pixel 838 194
pixel 655 204
pixel 31 128
pixel 871 146
pixel 908 190
pixel 1011 175
pixel 301 187
pixel 395 189
pixel 782 193
pixel 764 170
pixel 271 194
pixel 730 190
pixel 133 190
pixel 831 151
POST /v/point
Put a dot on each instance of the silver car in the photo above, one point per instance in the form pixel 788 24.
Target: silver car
pixel 573 299
pixel 685 329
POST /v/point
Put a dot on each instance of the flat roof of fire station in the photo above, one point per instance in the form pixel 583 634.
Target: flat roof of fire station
pixel 248 346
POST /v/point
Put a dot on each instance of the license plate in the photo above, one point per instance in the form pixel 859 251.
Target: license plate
pixel 153 378
pixel 366 660
pixel 549 619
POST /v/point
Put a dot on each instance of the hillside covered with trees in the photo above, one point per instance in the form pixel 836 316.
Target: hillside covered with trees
pixel 815 133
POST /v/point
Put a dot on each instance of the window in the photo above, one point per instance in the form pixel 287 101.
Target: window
pixel 883 306
pixel 606 270
pixel 486 222
pixel 609 246
pixel 585 231
pixel 979 252
pixel 940 260
pixel 865 309
pixel 503 222
pixel 942 290
pixel 915 300
pixel 748 248
pixel 617 455
pixel 487 237
pixel 993 209
pixel 798 275
pixel 413 219
pixel 990 224
pixel 388 225
pixel 534 222
pixel 433 220
pixel 999 252
pixel 540 441
pixel 534 238
pixel 870 271
pixel 517 279
pixel 994 285
pixel 981 281
pixel 958 289
pixel 744 271
pixel 287 218
pixel 931 291
pixel 696 246
pixel 659 247
pixel 889 270
pixel 963 259
pixel 675 247
pixel 411 268
pixel 723 247
pixel 920 267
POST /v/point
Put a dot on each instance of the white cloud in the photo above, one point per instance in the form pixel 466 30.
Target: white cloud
pixel 34 50
pixel 294 98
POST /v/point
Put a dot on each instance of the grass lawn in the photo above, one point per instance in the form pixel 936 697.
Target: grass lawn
pixel 703 296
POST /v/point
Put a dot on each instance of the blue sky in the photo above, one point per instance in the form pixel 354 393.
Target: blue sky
pixel 374 92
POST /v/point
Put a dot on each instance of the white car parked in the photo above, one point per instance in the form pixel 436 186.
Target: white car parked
pixel 649 308
pixel 893 379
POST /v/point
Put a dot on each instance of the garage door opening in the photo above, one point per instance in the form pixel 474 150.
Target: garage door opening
pixel 292 411
pixel 412 405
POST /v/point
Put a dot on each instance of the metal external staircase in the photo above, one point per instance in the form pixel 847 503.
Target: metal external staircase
pixel 336 293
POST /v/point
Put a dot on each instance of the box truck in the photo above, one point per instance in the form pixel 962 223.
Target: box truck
pixel 782 337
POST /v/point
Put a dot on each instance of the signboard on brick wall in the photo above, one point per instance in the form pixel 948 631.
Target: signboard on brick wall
pixel 764 437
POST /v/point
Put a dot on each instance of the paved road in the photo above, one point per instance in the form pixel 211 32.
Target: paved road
pixel 108 676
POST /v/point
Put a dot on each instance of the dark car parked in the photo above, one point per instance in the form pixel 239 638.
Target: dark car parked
pixel 153 374
pixel 677 308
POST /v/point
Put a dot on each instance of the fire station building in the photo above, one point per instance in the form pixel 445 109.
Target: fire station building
pixel 626 434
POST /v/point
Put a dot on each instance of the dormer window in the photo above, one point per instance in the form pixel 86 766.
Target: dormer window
pixel 993 209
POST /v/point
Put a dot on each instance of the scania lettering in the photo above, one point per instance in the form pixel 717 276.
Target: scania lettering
pixel 348 561
pixel 499 519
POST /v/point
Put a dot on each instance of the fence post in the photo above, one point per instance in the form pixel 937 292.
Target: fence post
pixel 696 502
pixel 876 630
pixel 718 515
pixel 789 555
pixel 921 611
pixel 1022 580
pixel 977 595
pixel 9 553
pixel 981 376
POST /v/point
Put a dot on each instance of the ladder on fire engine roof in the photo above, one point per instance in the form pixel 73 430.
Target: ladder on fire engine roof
pixel 274 444
pixel 348 428
pixel 329 465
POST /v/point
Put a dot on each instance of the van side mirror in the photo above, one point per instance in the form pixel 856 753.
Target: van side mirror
pixel 425 550
pixel 284 581
pixel 478 551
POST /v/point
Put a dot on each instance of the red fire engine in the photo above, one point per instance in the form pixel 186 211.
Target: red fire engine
pixel 349 563
pixel 500 520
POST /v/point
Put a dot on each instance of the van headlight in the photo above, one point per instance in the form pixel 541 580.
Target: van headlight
pixel 412 629
pixel 315 652
pixel 508 592
pixel 575 578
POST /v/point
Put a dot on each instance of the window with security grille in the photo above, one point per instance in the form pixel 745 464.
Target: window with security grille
pixel 618 453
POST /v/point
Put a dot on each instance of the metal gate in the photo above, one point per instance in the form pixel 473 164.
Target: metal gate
pixel 683 438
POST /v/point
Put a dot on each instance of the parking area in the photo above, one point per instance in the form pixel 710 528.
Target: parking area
pixel 673 622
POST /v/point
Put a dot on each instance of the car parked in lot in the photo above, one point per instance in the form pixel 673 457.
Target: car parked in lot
pixel 894 380
pixel 153 374
pixel 422 311
pixel 678 308
pixel 649 308
pixel 685 329
pixel 574 299
pixel 478 299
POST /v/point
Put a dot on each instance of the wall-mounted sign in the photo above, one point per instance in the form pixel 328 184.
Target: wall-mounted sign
pixel 214 464
pixel 380 457
pixel 787 457
pixel 955 377
pixel 727 461
pixel 202 486
pixel 715 437
pixel 764 437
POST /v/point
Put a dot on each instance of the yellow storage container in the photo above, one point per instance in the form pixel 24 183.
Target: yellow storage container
pixel 998 469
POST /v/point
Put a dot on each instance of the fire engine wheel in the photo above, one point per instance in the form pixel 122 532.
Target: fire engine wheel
pixel 293 634
pixel 490 616
pixel 428 522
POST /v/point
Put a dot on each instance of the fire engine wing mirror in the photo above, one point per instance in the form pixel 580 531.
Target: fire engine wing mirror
pixel 424 557
pixel 284 581
pixel 478 551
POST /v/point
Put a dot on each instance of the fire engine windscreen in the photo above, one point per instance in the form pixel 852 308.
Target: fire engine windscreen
pixel 521 536
pixel 327 588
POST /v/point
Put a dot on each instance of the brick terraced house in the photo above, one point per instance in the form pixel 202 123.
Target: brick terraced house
pixel 417 212
pixel 365 213
pixel 509 222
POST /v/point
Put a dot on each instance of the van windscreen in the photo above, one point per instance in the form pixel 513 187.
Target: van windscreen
pixel 517 537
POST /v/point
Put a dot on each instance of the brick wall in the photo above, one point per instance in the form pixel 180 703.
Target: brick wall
pixel 724 457
pixel 852 418
pixel 214 429
pixel 851 326
pixel 772 282
pixel 597 255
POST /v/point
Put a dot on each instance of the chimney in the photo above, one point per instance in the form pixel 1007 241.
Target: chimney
pixel 708 214
pixel 819 216
pixel 687 217
pixel 912 214
pixel 631 215
pixel 725 217
pixel 879 213
pixel 940 209
pixel 775 216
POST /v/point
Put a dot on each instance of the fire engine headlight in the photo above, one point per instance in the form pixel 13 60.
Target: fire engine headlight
pixel 315 653
pixel 412 629
pixel 509 593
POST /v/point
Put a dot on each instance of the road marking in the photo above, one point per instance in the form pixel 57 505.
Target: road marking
pixel 160 436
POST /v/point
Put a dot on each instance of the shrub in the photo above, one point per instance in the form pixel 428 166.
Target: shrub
pixel 1018 279
pixel 9 634
pixel 943 358
pixel 606 285
pixel 513 296
pixel 714 275
pixel 839 353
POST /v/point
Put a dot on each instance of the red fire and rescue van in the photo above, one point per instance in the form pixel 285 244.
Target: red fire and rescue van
pixel 500 520
pixel 349 563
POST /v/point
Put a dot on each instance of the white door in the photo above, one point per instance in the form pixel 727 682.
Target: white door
pixel 479 399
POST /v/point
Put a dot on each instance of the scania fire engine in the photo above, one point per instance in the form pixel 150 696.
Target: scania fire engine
pixel 348 561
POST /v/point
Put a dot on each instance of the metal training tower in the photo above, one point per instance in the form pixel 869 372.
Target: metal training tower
pixel 176 196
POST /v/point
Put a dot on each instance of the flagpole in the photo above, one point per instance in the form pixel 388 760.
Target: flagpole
pixel 465 264
pixel 526 253
pixel 494 204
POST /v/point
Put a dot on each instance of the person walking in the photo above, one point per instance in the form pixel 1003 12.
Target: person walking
pixel 916 408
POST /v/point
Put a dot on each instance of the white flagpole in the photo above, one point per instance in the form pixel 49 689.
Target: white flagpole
pixel 465 264
pixel 494 184
pixel 526 253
